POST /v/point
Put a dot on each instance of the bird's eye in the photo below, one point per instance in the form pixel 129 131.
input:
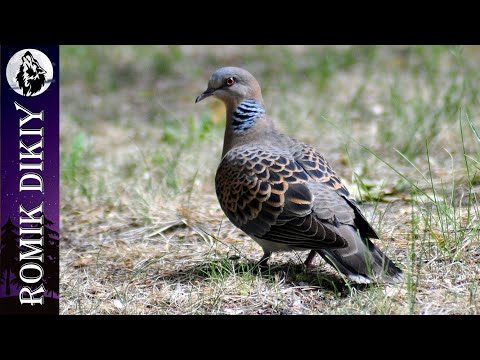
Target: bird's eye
pixel 230 81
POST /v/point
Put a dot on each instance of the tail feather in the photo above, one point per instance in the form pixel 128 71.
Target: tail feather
pixel 361 261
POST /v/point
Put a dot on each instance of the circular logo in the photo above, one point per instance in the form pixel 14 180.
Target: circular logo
pixel 29 72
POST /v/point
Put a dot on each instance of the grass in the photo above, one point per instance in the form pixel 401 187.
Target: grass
pixel 142 231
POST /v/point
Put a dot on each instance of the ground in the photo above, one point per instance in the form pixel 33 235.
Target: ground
pixel 142 231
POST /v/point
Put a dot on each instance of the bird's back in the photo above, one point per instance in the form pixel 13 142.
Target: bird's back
pixel 264 181
pixel 272 157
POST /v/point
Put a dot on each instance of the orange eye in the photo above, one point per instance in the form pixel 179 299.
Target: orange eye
pixel 230 81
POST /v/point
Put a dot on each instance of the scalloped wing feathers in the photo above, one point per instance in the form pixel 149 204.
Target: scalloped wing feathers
pixel 290 198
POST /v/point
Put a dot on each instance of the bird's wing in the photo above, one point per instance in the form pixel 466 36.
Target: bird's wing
pixel 317 167
pixel 269 195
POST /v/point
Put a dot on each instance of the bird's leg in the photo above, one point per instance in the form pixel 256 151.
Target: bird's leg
pixel 309 260
pixel 262 264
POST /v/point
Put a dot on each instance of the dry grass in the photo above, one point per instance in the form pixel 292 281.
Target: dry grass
pixel 142 231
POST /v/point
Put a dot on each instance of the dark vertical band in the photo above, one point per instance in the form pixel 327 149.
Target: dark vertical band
pixel 29 247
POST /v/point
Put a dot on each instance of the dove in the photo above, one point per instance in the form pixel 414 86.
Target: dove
pixel 283 193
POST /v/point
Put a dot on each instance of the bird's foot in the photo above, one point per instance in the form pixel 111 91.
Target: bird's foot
pixel 262 264
pixel 309 261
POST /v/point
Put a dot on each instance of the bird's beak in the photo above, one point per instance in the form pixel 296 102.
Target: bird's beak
pixel 205 94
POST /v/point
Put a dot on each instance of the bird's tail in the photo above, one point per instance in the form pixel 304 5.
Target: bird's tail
pixel 361 261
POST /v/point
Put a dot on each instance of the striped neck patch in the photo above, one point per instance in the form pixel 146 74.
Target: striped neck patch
pixel 245 115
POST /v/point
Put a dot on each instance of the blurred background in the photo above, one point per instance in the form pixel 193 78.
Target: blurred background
pixel 141 228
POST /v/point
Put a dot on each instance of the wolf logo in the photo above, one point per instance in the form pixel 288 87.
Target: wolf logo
pixel 31 76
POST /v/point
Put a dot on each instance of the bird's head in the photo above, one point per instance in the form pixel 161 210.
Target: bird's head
pixel 232 85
